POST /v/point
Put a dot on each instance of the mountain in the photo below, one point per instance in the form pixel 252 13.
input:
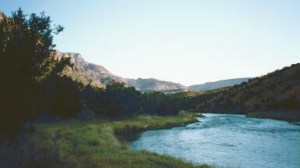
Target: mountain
pixel 217 84
pixel 279 90
pixel 98 75
pixel 78 72
pixel 1 15
pixel 152 84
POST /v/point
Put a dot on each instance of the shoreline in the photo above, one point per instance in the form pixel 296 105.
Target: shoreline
pixel 96 143
pixel 130 133
pixel 282 115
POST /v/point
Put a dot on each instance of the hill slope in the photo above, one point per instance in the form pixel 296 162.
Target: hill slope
pixel 152 84
pixel 217 84
pixel 99 76
pixel 279 90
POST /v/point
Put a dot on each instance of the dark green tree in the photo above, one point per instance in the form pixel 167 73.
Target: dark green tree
pixel 64 99
pixel 26 43
pixel 157 103
pixel 120 101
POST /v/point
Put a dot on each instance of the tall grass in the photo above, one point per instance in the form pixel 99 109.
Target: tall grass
pixel 99 144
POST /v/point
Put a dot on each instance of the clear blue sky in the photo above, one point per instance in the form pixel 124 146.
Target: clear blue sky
pixel 185 41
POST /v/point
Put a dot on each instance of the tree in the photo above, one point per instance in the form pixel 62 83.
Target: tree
pixel 118 101
pixel 26 44
pixel 64 99
pixel 159 104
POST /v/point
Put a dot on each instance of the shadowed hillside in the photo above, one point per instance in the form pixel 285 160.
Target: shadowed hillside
pixel 279 90
pixel 218 84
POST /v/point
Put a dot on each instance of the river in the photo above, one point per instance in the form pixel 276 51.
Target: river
pixel 228 140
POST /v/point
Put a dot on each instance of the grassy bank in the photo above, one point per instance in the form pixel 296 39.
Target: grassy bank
pixel 285 115
pixel 95 144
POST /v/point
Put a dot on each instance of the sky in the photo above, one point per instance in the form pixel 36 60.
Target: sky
pixel 184 41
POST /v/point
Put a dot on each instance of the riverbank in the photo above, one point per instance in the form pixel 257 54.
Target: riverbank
pixel 129 130
pixel 228 140
pixel 284 115
pixel 96 144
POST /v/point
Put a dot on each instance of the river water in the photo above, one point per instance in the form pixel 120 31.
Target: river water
pixel 228 140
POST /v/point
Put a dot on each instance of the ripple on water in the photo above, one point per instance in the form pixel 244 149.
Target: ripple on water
pixel 228 140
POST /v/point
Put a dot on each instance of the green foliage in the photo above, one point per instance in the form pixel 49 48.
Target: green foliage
pixel 116 101
pixel 158 103
pixel 26 44
pixel 120 101
pixel 63 97
pixel 97 144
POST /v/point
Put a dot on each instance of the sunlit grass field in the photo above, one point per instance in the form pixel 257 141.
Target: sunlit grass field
pixel 100 143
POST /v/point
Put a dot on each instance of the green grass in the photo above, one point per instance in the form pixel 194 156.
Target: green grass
pixel 104 143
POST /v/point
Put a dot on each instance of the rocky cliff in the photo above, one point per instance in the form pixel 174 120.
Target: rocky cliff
pixel 98 75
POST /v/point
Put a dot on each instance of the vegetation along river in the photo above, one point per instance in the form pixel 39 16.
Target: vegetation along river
pixel 228 140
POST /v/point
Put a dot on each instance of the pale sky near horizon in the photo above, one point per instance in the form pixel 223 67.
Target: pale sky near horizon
pixel 184 41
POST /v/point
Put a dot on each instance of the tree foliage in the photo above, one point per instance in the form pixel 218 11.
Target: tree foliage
pixel 27 63
pixel 119 101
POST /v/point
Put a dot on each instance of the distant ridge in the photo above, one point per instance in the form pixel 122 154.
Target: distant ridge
pixel 151 84
pixel 99 76
pixel 218 84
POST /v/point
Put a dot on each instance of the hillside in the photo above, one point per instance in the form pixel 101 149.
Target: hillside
pixel 279 90
pixel 1 15
pixel 99 76
pixel 217 84
pixel 77 72
pixel 151 84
